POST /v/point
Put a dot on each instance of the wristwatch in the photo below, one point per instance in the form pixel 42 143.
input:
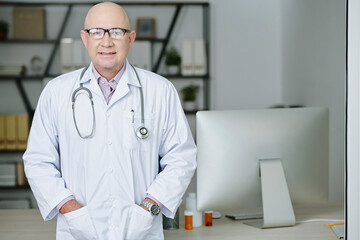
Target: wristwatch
pixel 153 208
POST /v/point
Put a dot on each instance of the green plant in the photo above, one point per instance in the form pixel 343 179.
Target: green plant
pixel 190 93
pixel 4 26
pixel 172 57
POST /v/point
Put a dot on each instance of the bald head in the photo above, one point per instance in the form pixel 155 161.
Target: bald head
pixel 107 15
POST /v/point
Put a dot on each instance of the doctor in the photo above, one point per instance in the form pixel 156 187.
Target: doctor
pixel 98 176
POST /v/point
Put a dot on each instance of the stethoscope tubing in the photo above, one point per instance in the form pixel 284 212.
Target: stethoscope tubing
pixel 141 132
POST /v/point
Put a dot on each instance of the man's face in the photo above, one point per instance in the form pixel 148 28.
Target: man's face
pixel 108 55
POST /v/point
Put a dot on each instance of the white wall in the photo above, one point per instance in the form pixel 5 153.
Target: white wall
pixel 245 54
pixel 282 51
pixel 313 69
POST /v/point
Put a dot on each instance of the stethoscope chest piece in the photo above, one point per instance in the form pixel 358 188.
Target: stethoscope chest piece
pixel 142 132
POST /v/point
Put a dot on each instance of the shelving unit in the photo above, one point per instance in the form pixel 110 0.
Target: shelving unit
pixel 15 156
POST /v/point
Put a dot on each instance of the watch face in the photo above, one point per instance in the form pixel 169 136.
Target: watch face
pixel 155 209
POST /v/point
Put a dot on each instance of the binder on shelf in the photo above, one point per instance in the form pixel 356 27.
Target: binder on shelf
pixel 29 23
pixel 73 55
pixel 2 132
pixel 10 131
pixel 12 70
pixel 22 131
pixel 200 68
pixel 77 53
pixel 21 179
pixel 187 62
pixel 66 48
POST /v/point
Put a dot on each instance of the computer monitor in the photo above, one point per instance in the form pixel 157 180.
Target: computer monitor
pixel 289 145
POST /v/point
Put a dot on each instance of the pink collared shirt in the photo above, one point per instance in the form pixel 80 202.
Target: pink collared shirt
pixel 108 87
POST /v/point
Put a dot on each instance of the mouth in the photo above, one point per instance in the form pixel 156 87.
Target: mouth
pixel 107 53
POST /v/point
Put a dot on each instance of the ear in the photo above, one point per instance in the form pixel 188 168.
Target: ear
pixel 84 37
pixel 132 36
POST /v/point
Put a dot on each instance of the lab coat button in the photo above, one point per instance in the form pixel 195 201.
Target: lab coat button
pixel 109 142
pixel 108 114
pixel 110 169
pixel 112 199
pixel 112 226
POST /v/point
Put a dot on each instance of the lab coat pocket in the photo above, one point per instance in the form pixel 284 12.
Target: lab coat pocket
pixel 80 224
pixel 140 223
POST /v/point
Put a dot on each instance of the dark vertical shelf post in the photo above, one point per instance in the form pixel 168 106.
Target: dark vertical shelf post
pixel 206 34
pixel 168 35
pixel 56 45
pixel 24 97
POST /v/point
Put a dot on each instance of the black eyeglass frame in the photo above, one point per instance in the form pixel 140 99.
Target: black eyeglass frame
pixel 107 30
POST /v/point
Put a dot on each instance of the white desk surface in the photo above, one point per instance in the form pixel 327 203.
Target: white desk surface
pixel 28 224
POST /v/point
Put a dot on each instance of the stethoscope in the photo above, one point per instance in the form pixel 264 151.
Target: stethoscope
pixel 141 132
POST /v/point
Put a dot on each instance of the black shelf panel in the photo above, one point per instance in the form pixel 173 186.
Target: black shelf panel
pixel 160 40
pixel 28 41
pixel 37 77
pixel 12 151
pixel 194 111
pixel 32 4
pixel 185 77
pixel 14 188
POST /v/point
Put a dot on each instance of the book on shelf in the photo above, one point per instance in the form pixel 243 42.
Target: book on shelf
pixel 21 179
pixel 194 59
pixel 14 131
pixel 12 70
pixel 73 54
pixel 2 133
pixel 199 58
pixel 10 131
pixel 187 59
pixel 29 23
pixel 22 131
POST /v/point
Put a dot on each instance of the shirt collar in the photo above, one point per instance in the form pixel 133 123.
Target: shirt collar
pixel 117 78
pixel 128 74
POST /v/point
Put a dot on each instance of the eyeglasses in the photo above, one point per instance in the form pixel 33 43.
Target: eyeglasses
pixel 114 33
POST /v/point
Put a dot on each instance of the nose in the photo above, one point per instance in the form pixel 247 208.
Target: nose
pixel 107 40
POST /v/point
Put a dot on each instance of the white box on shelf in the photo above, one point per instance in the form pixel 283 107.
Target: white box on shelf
pixel 187 56
pixel 200 67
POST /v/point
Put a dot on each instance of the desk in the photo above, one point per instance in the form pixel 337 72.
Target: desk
pixel 27 224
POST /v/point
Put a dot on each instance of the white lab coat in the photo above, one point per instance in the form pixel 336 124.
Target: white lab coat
pixel 110 173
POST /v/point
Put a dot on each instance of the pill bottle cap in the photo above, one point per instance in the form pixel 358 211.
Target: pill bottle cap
pixel 208 212
pixel 188 213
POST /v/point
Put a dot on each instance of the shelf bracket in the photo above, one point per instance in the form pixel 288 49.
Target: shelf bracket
pixel 56 45
pixel 24 97
pixel 168 35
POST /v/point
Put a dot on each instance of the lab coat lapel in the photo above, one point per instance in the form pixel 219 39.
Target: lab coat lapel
pixel 128 78
pixel 90 82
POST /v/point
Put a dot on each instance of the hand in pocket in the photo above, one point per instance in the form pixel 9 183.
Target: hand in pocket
pixel 80 224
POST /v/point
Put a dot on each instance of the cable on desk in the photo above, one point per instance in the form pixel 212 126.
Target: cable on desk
pixel 320 220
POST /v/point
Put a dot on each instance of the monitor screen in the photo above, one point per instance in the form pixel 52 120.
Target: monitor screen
pixel 231 145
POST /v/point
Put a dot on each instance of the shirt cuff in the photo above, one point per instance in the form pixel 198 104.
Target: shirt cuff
pixel 163 209
pixel 65 201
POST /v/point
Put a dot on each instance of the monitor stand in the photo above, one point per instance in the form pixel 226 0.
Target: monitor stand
pixel 277 206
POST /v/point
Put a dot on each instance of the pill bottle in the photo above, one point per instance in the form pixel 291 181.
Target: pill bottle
pixel 208 218
pixel 188 220
pixel 191 206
